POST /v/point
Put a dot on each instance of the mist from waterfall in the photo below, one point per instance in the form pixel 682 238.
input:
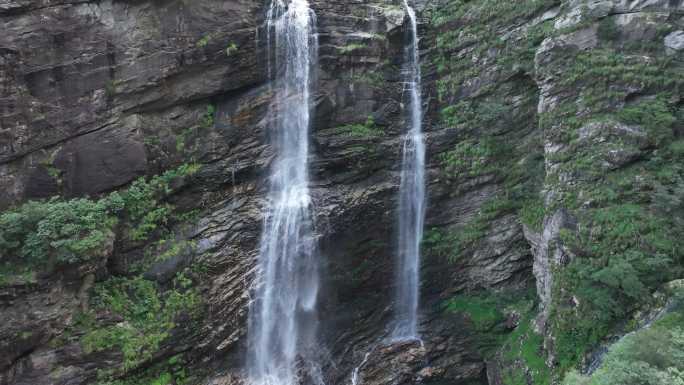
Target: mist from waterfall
pixel 411 196
pixel 282 315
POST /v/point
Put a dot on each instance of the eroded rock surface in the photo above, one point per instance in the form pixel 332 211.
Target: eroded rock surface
pixel 94 94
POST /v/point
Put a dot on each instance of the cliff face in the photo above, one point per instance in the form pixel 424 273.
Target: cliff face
pixel 545 122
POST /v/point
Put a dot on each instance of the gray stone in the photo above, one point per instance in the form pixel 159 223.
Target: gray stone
pixel 675 41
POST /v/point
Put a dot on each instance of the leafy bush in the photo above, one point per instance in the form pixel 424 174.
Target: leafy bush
pixel 41 234
pixel 148 316
pixel 63 231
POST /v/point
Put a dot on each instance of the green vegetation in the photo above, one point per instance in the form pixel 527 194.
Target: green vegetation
pixel 523 350
pixel 622 253
pixel 367 130
pixel 374 78
pixel 487 156
pixel 41 235
pixel 231 49
pixel 163 250
pixel 650 356
pixel 607 29
pixel 520 350
pixel 453 243
pixel 483 311
pixel 170 372
pixel 481 25
pixel 471 158
pixel 142 201
pixel 532 214
pixel 203 41
pixel 349 48
pixel 208 119
pixel 466 113
pixel 148 316
pixel 189 135
pixel 626 245
pixel 654 115
pixel 626 242
pixel 57 231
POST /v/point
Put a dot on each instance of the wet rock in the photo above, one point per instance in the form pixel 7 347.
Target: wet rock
pixel 675 41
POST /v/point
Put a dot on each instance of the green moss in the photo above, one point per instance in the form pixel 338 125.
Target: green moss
pixel 524 356
pixel 349 48
pixel 486 312
pixel 481 310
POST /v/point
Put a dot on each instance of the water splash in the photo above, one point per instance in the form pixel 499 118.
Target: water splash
pixel 282 316
pixel 411 196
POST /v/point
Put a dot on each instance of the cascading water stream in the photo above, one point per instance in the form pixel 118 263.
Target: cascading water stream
pixel 355 372
pixel 411 197
pixel 282 318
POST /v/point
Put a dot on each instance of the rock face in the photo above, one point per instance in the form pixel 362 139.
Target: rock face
pixel 95 94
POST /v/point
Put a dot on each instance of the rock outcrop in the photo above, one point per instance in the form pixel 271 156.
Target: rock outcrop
pixel 96 94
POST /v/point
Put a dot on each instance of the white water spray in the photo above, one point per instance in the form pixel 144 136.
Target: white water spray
pixel 411 197
pixel 282 319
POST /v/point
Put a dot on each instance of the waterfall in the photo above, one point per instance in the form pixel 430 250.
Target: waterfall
pixel 282 314
pixel 411 196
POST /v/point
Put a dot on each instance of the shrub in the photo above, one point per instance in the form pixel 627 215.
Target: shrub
pixel 148 316
pixel 58 232
pixel 63 231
